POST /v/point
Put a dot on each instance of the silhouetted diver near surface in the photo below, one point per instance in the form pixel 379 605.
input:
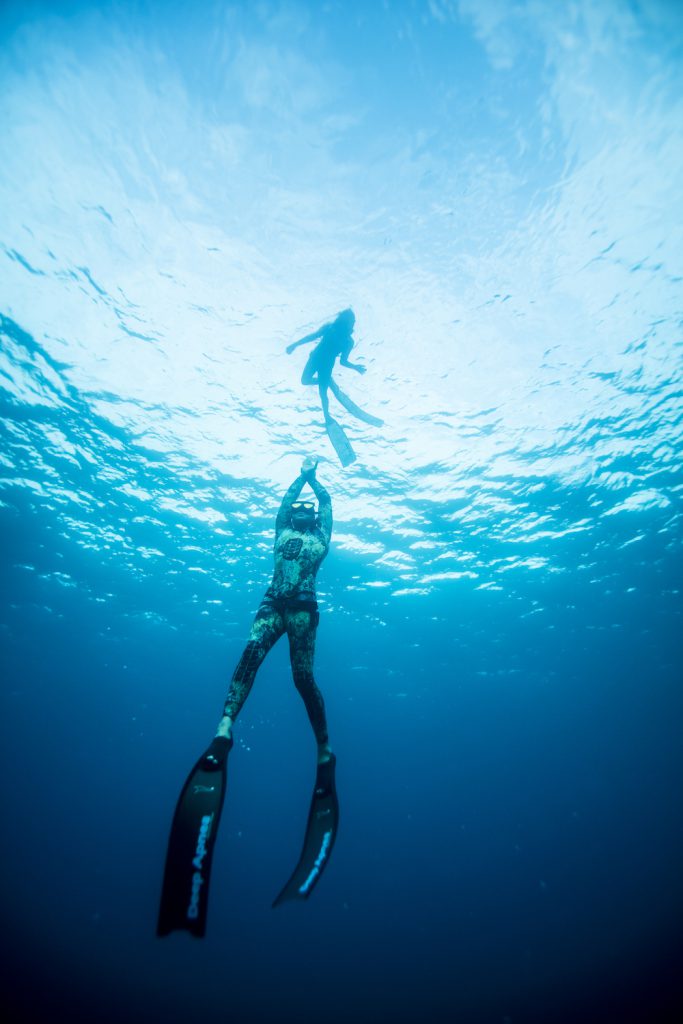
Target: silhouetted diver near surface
pixel 289 605
pixel 335 340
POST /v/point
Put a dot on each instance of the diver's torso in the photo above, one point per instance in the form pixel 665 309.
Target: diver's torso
pixel 334 343
pixel 297 560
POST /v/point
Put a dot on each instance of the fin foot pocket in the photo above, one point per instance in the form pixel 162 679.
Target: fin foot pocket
pixel 217 753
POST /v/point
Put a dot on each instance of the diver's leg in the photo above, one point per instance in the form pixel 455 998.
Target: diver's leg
pixel 324 401
pixel 310 374
pixel 301 630
pixel 267 628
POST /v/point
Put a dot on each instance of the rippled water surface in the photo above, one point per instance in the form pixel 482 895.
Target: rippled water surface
pixel 495 190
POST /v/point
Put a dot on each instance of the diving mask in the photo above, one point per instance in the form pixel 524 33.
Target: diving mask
pixel 303 514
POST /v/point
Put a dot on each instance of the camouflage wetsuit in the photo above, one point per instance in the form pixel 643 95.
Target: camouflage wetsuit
pixel 290 606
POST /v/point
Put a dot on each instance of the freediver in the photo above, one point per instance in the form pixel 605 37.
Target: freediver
pixel 290 606
pixel 336 340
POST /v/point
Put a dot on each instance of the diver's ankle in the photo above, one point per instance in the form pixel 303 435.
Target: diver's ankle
pixel 225 727
pixel 324 752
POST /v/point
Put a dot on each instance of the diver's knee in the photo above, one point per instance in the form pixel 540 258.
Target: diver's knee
pixel 304 682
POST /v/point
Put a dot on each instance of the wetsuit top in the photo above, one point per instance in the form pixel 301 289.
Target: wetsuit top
pixel 298 553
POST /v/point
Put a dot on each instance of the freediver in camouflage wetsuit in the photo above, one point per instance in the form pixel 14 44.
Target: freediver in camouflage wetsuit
pixel 289 605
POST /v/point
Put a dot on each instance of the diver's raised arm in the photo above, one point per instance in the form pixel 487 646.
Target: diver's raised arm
pixel 324 499
pixel 285 514
pixel 304 341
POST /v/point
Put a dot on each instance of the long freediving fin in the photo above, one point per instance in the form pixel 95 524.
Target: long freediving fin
pixel 340 442
pixel 321 832
pixel 185 890
pixel 354 409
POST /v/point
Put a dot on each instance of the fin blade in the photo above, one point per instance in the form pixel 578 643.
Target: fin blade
pixel 354 409
pixel 340 442
pixel 321 833
pixel 185 888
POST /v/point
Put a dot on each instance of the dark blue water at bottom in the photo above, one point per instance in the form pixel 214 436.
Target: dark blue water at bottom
pixel 510 841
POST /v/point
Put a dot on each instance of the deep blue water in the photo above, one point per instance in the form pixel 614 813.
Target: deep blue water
pixel 495 190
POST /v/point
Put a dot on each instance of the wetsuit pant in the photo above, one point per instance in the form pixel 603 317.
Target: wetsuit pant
pixel 273 620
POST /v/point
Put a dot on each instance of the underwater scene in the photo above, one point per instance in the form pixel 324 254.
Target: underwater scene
pixel 341 495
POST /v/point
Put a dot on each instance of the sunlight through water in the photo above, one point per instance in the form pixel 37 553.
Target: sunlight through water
pixel 497 198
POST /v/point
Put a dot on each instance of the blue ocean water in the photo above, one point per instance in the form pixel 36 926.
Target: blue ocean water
pixel 495 190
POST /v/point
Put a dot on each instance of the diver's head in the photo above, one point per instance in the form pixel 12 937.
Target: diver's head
pixel 346 319
pixel 303 515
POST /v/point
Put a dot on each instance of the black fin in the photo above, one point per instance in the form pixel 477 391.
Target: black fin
pixel 321 832
pixel 185 892
pixel 340 442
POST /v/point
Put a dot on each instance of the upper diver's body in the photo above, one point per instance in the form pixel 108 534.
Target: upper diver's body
pixel 336 340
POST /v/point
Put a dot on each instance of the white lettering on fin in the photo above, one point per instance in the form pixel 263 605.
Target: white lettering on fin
pixel 199 855
pixel 317 866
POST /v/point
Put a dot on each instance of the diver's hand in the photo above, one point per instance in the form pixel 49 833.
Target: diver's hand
pixel 290 349
pixel 361 369
pixel 308 467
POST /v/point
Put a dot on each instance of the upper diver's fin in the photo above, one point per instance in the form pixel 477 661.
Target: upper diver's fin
pixel 185 892
pixel 354 409
pixel 340 442
pixel 321 832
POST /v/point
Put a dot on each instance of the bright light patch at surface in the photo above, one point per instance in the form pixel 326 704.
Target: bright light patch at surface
pixel 494 189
